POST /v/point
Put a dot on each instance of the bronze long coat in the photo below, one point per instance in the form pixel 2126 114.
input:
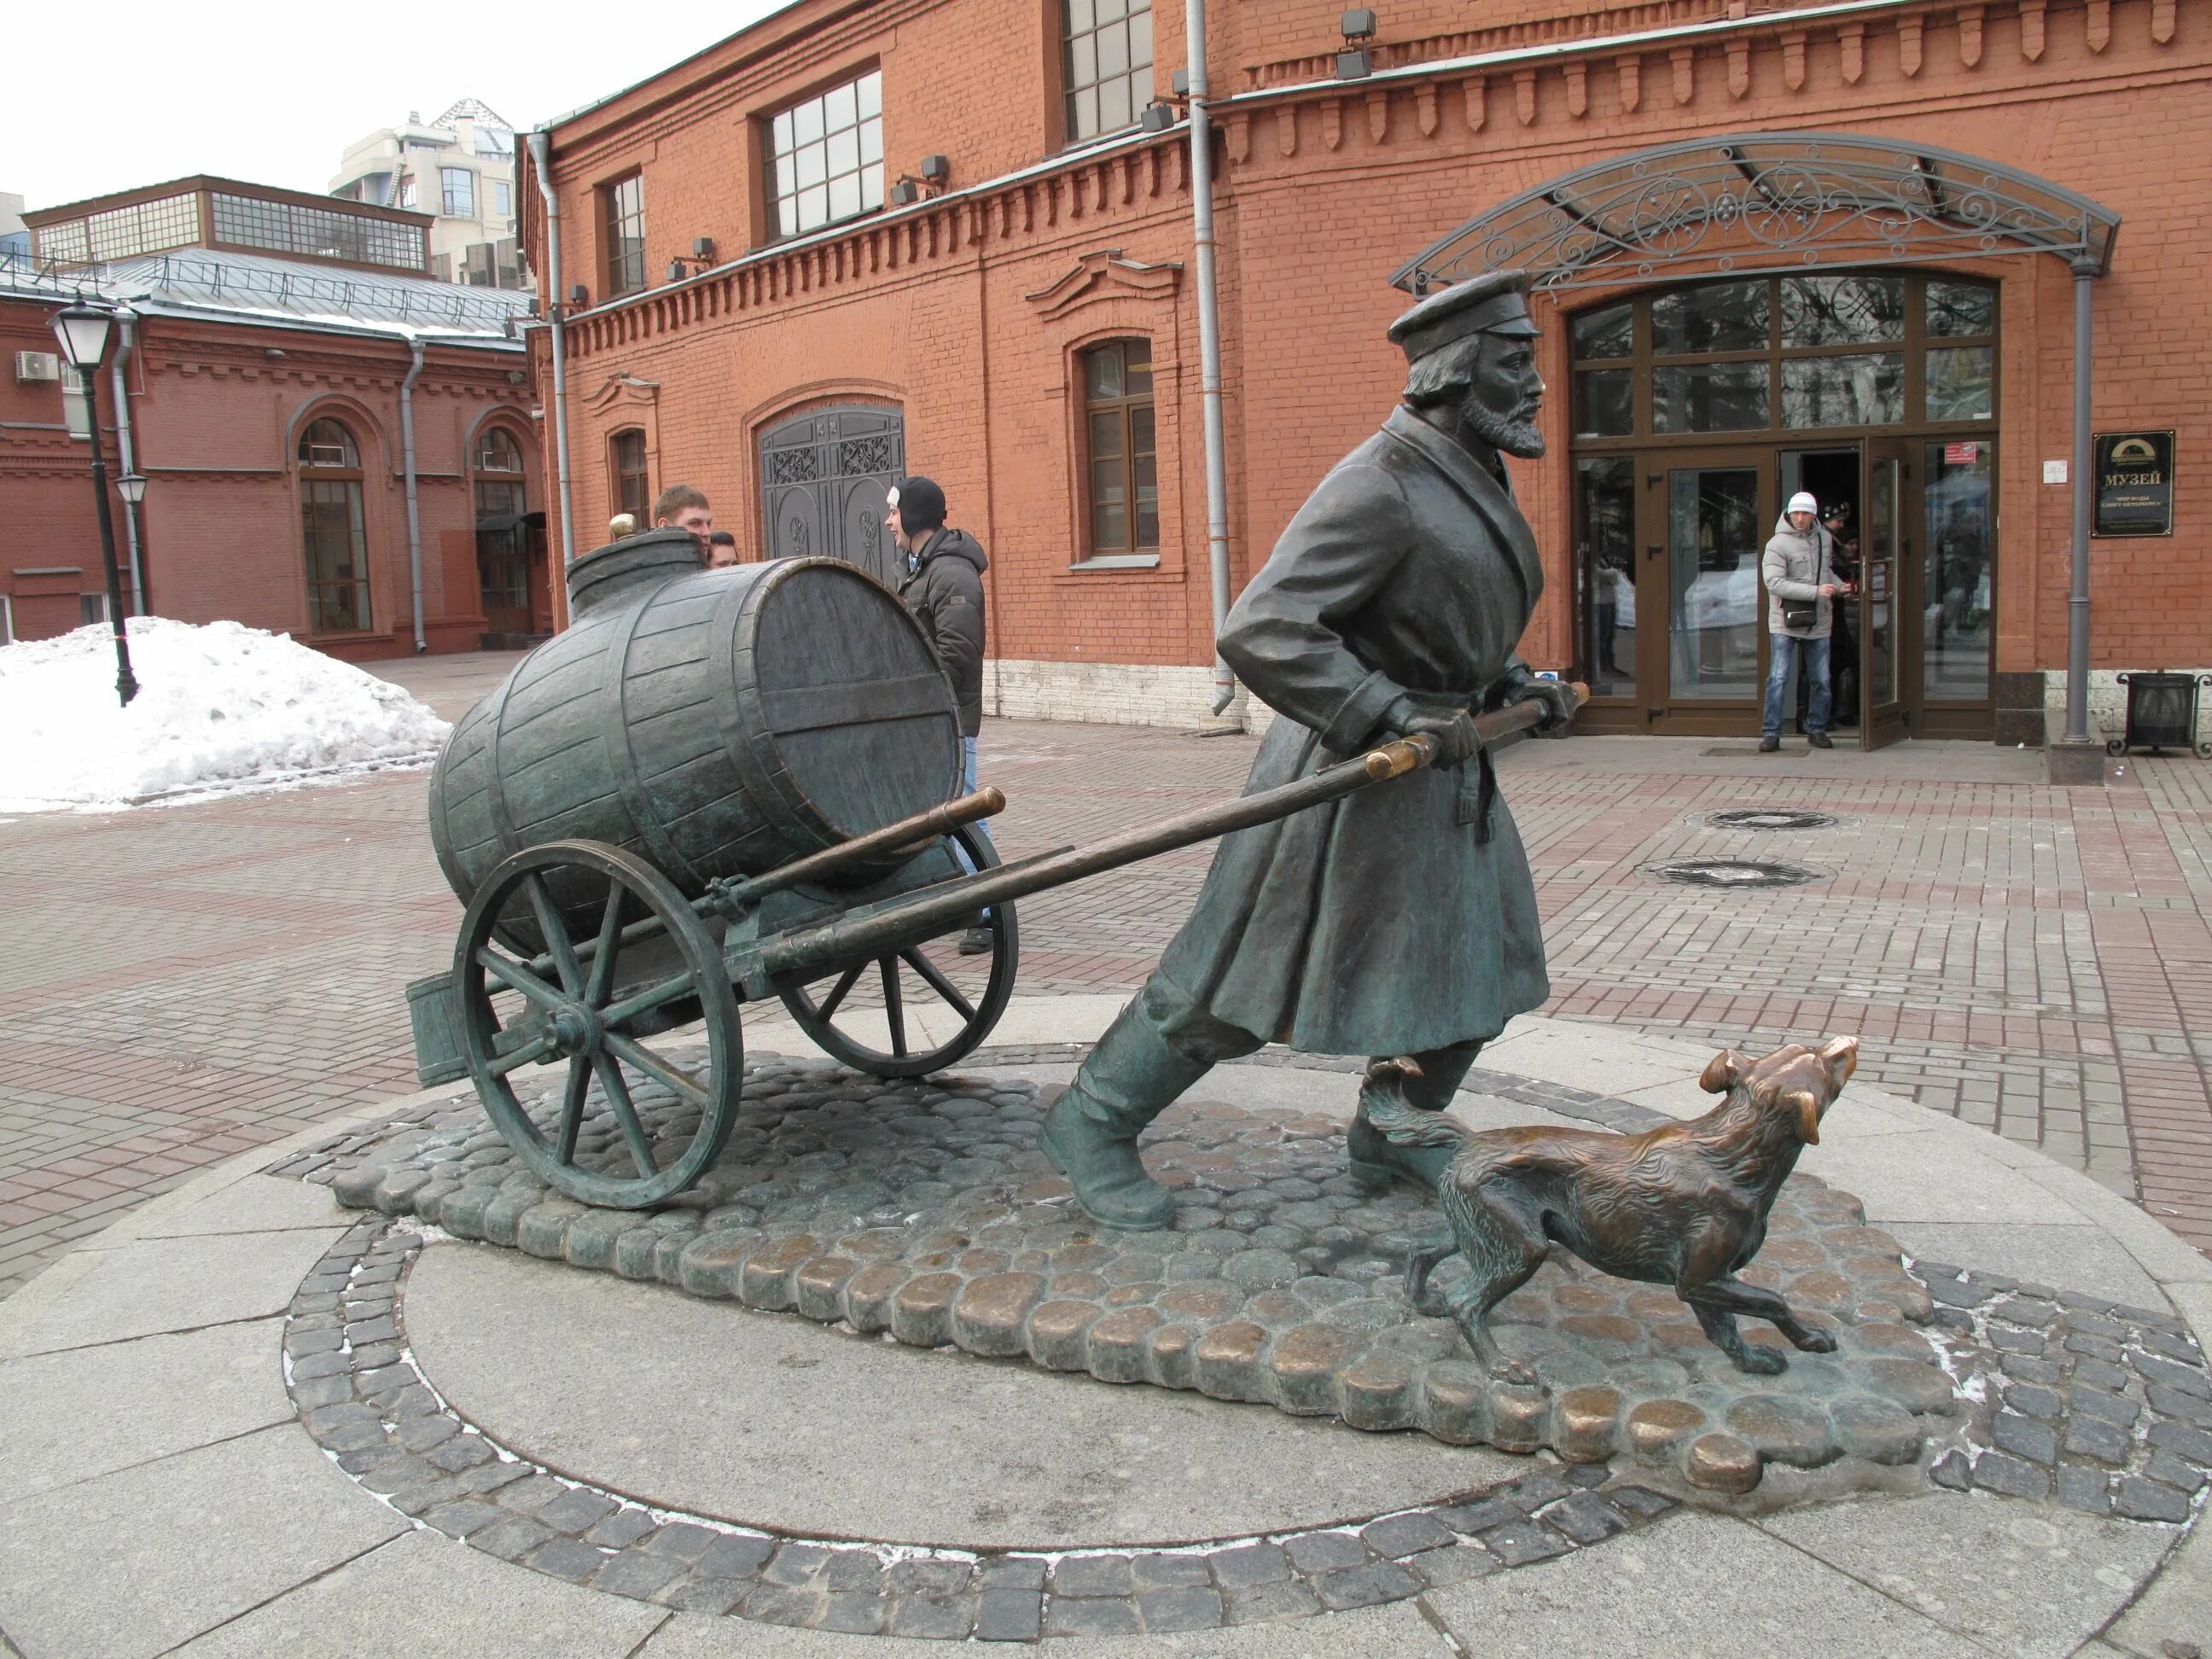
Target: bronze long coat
pixel 1387 922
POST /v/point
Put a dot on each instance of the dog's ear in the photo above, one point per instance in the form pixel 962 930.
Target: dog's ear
pixel 1722 1072
pixel 1841 1056
pixel 1802 1102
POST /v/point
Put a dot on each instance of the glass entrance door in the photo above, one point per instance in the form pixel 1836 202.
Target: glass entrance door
pixel 1714 516
pixel 1881 595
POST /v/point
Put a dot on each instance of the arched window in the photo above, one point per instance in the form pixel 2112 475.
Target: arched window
pixel 502 538
pixel 333 539
pixel 497 451
pixel 633 490
pixel 1123 473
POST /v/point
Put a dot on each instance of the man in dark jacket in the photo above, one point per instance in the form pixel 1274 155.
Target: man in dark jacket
pixel 1402 919
pixel 943 586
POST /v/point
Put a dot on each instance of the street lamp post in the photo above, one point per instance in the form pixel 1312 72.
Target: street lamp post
pixel 83 330
pixel 131 486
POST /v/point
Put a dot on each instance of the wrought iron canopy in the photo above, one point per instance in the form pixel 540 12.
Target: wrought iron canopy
pixel 1763 203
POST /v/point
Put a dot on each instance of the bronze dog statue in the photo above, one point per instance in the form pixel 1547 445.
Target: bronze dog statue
pixel 1683 1205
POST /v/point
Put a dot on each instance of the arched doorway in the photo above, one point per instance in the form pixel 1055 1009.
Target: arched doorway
pixel 1760 319
pixel 823 477
pixel 510 543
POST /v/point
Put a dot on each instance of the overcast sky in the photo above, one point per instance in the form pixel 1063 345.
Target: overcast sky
pixel 106 97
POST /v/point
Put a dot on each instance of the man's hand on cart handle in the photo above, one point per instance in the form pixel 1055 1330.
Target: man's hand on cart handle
pixel 1419 748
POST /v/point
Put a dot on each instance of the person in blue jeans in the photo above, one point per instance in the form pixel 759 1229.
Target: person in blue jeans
pixel 1801 589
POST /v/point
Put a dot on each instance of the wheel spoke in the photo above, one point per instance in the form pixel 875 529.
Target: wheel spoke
pixel 572 1107
pixel 651 997
pixel 550 924
pixel 618 1094
pixel 516 977
pixel 837 992
pixel 602 977
pixel 937 983
pixel 529 1053
pixel 894 1009
pixel 657 1068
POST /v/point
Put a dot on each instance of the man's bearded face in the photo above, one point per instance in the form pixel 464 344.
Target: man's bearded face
pixel 1502 400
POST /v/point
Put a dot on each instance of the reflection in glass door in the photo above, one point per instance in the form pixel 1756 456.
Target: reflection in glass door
pixel 1881 597
pixel 1958 554
pixel 1714 540
pixel 1605 548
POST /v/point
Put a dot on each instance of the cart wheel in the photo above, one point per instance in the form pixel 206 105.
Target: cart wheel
pixel 922 1007
pixel 622 947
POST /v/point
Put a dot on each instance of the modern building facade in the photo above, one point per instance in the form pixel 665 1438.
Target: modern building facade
pixel 460 169
pixel 335 447
pixel 1835 247
pixel 14 235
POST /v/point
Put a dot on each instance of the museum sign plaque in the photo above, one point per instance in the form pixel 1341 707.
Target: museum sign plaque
pixel 2135 483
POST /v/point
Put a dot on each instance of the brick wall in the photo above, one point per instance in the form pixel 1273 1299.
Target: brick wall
pixel 217 410
pixel 966 313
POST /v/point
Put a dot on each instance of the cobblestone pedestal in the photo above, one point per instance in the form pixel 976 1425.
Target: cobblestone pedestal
pixel 924 1210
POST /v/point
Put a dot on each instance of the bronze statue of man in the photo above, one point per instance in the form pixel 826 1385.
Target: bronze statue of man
pixel 1401 919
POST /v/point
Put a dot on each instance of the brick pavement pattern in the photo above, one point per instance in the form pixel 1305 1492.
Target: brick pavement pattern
pixel 181 983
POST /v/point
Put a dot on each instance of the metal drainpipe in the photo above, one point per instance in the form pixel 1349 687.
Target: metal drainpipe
pixel 407 461
pixel 1209 343
pixel 123 450
pixel 2077 602
pixel 541 163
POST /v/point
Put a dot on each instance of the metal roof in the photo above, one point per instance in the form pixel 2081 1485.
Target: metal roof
pixel 255 287
pixel 1763 203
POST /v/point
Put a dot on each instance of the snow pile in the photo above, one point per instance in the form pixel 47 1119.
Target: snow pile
pixel 219 708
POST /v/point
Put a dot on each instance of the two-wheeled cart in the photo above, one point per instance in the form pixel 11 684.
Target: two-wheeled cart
pixel 690 800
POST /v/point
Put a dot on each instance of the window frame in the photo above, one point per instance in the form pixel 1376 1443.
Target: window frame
pixel 772 192
pixel 619 476
pixel 616 265
pixel 316 476
pixel 1133 553
pixel 445 177
pixel 1139 77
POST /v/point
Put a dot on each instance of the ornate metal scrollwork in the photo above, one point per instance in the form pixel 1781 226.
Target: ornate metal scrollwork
pixel 1766 203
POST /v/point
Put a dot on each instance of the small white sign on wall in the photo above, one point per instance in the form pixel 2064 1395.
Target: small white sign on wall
pixel 2054 473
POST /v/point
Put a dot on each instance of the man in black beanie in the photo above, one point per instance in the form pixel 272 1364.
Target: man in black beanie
pixel 942 584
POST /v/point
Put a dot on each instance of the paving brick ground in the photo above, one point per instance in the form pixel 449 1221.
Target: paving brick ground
pixel 180 983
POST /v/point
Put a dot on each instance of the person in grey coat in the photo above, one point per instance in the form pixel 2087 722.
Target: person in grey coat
pixel 1796 575
pixel 1402 918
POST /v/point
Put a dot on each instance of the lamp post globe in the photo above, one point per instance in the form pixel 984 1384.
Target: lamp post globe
pixel 83 330
pixel 131 486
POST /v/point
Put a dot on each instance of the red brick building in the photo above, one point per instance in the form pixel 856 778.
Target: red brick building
pixel 275 345
pixel 1831 247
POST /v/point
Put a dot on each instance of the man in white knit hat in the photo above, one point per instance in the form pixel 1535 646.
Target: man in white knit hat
pixel 1800 617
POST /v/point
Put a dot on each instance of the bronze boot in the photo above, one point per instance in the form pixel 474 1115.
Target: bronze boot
pixel 1376 1160
pixel 1090 1132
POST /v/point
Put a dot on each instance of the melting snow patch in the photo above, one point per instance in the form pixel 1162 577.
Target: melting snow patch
pixel 220 708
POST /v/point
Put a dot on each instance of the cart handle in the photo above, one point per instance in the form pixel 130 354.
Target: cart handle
pixel 732 896
pixel 863 931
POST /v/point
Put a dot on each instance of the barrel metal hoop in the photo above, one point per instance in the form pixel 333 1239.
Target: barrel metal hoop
pixel 752 743
pixel 645 815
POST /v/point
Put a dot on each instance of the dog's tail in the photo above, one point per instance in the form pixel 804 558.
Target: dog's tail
pixel 1382 1100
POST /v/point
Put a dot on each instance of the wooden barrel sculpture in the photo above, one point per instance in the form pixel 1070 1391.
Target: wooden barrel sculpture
pixel 714 722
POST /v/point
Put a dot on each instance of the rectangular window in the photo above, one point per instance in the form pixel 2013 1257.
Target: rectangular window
pixel 1960 386
pixel 407 192
pixel 632 485
pixel 1124 462
pixel 336 550
pixel 1604 402
pixel 1108 63
pixel 1865 389
pixel 288 228
pixel 1819 311
pixel 1708 396
pixel 77 410
pixel 1718 316
pixel 502 198
pixel 91 608
pixel 624 217
pixel 827 155
pixel 457 187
